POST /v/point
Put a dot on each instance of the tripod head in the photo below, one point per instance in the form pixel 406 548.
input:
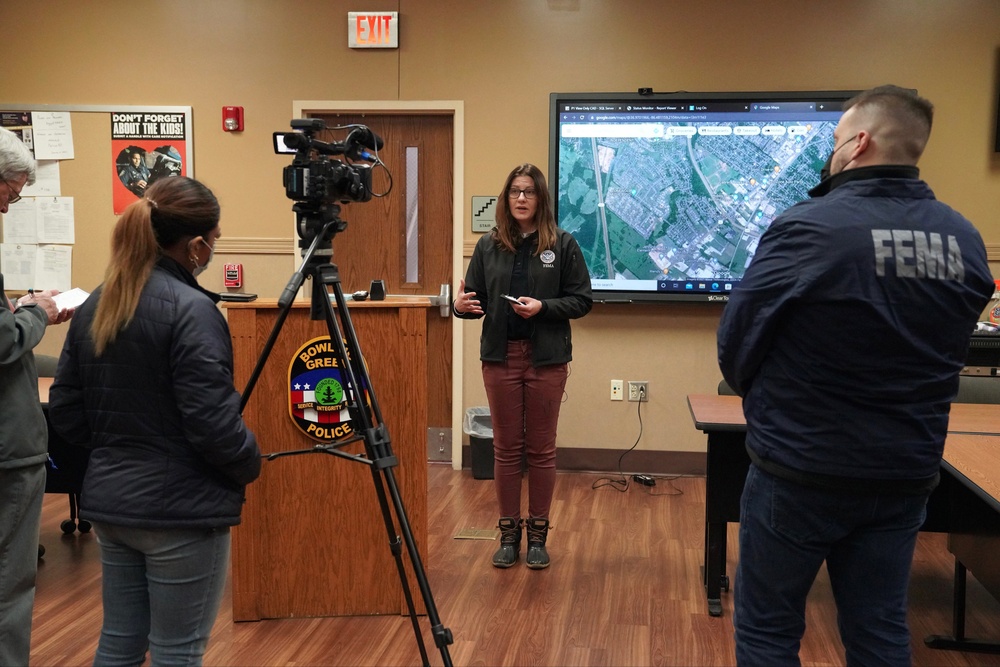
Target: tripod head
pixel 317 223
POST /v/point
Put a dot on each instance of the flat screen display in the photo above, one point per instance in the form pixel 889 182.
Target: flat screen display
pixel 669 193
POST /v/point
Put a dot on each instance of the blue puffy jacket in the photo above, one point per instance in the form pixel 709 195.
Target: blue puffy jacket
pixel 158 410
pixel 847 335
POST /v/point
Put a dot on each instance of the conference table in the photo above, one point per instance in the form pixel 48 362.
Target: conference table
pixel 965 505
pixel 970 476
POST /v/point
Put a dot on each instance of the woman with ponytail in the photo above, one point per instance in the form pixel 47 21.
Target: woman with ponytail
pixel 145 381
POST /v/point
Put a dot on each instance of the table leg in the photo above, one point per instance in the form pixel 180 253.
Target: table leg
pixel 726 470
pixel 958 641
pixel 715 565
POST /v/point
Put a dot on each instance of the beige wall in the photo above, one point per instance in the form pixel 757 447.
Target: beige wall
pixel 501 59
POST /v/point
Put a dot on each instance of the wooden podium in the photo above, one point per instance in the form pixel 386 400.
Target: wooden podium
pixel 313 540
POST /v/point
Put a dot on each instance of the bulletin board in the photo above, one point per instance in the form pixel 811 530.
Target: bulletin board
pixel 91 177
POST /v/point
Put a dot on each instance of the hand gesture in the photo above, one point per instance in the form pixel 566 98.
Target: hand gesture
pixel 466 302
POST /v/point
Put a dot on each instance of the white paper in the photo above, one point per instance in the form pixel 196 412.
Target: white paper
pixel 17 262
pixel 55 220
pixel 20 222
pixel 47 183
pixel 70 299
pixel 53 135
pixel 54 267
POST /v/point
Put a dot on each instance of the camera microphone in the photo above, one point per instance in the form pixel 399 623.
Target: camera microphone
pixel 365 137
pixel 328 148
pixel 358 140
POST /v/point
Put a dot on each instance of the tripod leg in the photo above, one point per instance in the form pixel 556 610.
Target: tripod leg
pixel 395 546
pixel 285 304
pixel 442 635
pixel 378 448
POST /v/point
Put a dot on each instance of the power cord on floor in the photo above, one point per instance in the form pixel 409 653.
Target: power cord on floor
pixel 647 481
pixel 669 479
pixel 621 484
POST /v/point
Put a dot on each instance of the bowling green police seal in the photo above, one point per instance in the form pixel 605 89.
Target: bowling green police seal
pixel 319 392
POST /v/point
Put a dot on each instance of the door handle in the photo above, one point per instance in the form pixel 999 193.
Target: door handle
pixel 442 299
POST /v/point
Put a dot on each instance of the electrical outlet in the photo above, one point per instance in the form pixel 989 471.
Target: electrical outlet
pixel 638 391
pixel 617 390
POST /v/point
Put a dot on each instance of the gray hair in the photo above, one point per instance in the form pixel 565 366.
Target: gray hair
pixel 15 158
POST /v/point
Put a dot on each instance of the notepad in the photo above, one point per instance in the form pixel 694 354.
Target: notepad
pixel 70 299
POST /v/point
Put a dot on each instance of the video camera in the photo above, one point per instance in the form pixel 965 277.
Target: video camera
pixel 314 179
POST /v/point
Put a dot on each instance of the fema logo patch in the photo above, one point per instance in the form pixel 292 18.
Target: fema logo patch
pixel 547 257
pixel 318 392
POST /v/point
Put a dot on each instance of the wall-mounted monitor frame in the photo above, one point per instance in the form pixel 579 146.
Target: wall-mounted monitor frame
pixel 668 193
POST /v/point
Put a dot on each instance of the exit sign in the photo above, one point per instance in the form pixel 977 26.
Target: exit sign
pixel 373 30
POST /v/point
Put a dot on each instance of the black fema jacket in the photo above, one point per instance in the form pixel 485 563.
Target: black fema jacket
pixel 558 278
pixel 169 448
pixel 848 332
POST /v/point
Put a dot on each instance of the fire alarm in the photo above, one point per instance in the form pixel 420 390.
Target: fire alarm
pixel 232 119
pixel 233 275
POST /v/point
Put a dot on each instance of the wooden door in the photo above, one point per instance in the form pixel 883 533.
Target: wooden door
pixel 405 237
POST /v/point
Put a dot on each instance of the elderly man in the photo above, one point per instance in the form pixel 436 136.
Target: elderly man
pixel 23 437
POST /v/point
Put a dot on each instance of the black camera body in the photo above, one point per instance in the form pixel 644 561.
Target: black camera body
pixel 315 178
pixel 325 180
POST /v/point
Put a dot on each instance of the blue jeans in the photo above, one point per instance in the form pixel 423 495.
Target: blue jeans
pixel 786 532
pixel 161 591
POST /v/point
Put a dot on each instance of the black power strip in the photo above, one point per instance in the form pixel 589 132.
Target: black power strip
pixel 645 480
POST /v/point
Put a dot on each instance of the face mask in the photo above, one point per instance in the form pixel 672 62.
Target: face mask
pixel 200 268
pixel 824 172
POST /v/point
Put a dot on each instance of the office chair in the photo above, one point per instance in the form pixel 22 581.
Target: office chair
pixel 67 463
pixel 725 389
pixel 46 364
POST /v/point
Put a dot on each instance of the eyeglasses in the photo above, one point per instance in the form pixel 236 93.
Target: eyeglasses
pixel 515 193
pixel 16 197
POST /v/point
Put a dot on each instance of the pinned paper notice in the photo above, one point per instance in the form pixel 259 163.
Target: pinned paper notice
pixel 53 135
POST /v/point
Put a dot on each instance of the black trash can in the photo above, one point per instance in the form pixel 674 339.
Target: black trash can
pixel 479 427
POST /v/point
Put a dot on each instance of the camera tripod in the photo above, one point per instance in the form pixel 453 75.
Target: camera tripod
pixel 378 448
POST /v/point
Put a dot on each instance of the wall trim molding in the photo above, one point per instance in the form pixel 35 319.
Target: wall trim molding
pixel 248 245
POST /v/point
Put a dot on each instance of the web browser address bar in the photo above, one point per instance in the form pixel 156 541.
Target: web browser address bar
pixel 581 130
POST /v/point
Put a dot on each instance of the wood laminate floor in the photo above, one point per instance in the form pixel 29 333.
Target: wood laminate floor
pixel 624 588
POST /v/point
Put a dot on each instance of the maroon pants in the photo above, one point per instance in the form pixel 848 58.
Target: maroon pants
pixel 524 407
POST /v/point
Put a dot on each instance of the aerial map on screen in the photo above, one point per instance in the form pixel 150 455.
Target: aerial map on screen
pixel 670 201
